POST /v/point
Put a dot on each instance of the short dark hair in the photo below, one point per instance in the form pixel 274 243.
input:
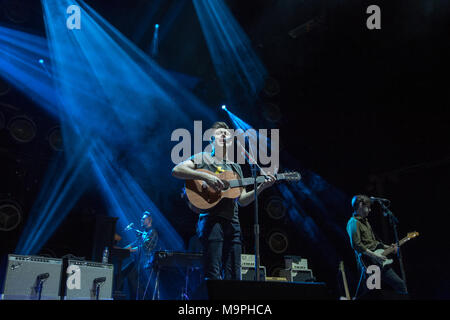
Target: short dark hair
pixel 148 214
pixel 219 124
pixel 356 200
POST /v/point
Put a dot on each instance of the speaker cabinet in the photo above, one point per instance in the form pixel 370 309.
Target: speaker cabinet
pixel 95 280
pixel 32 278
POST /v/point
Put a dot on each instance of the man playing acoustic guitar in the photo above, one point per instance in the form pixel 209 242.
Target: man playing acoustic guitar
pixel 364 242
pixel 218 229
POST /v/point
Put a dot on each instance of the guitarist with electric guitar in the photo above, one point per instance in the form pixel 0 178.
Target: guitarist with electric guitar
pixel 215 188
pixel 369 250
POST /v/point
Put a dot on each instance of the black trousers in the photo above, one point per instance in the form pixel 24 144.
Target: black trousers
pixel 222 248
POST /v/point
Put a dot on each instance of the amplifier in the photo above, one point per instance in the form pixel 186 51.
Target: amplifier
pixel 32 278
pixel 94 278
pixel 298 276
pixel 295 263
pixel 248 261
pixel 249 273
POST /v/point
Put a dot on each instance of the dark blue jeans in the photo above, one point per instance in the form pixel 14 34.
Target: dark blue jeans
pixel 221 241
pixel 388 276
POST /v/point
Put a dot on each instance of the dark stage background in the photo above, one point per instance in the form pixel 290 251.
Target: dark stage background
pixel 366 110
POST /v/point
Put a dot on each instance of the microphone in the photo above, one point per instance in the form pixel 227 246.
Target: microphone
pixel 43 276
pixel 129 226
pixel 99 280
pixel 375 199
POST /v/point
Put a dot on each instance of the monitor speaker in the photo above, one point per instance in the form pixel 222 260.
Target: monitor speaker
pixel 32 278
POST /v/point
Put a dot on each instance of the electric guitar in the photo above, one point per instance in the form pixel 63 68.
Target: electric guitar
pixel 366 260
pixel 344 279
pixel 203 197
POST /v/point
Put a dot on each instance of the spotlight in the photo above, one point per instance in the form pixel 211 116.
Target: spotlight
pixel 54 138
pixel 10 214
pixel 41 61
pixel 156 26
pixel 278 241
pixel 22 129
pixel 275 208
pixel 224 107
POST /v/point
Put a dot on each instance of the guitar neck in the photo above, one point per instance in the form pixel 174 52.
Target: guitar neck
pixel 347 292
pixel 344 279
pixel 389 250
pixel 249 181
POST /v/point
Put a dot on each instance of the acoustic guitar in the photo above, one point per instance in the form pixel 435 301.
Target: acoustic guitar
pixel 202 197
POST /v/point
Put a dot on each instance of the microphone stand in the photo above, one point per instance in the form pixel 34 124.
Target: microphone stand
pixel 394 221
pixel 97 291
pixel 254 168
pixel 39 284
pixel 140 243
pixel 256 226
pixel 139 262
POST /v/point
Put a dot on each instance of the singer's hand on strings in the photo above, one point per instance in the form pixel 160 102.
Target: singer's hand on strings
pixel 215 182
pixel 270 180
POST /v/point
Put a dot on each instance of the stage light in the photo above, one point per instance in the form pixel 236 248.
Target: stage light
pixel 41 61
pixel 224 107
pixel 156 26
pixel 20 53
pixel 10 214
pixel 22 129
pixel 278 241
pixel 231 51
pixel 94 132
pixel 276 208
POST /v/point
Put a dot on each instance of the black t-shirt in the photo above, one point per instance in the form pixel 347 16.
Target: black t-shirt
pixel 226 208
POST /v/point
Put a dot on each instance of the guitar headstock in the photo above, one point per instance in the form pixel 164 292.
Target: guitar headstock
pixel 289 176
pixel 341 266
pixel 411 235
